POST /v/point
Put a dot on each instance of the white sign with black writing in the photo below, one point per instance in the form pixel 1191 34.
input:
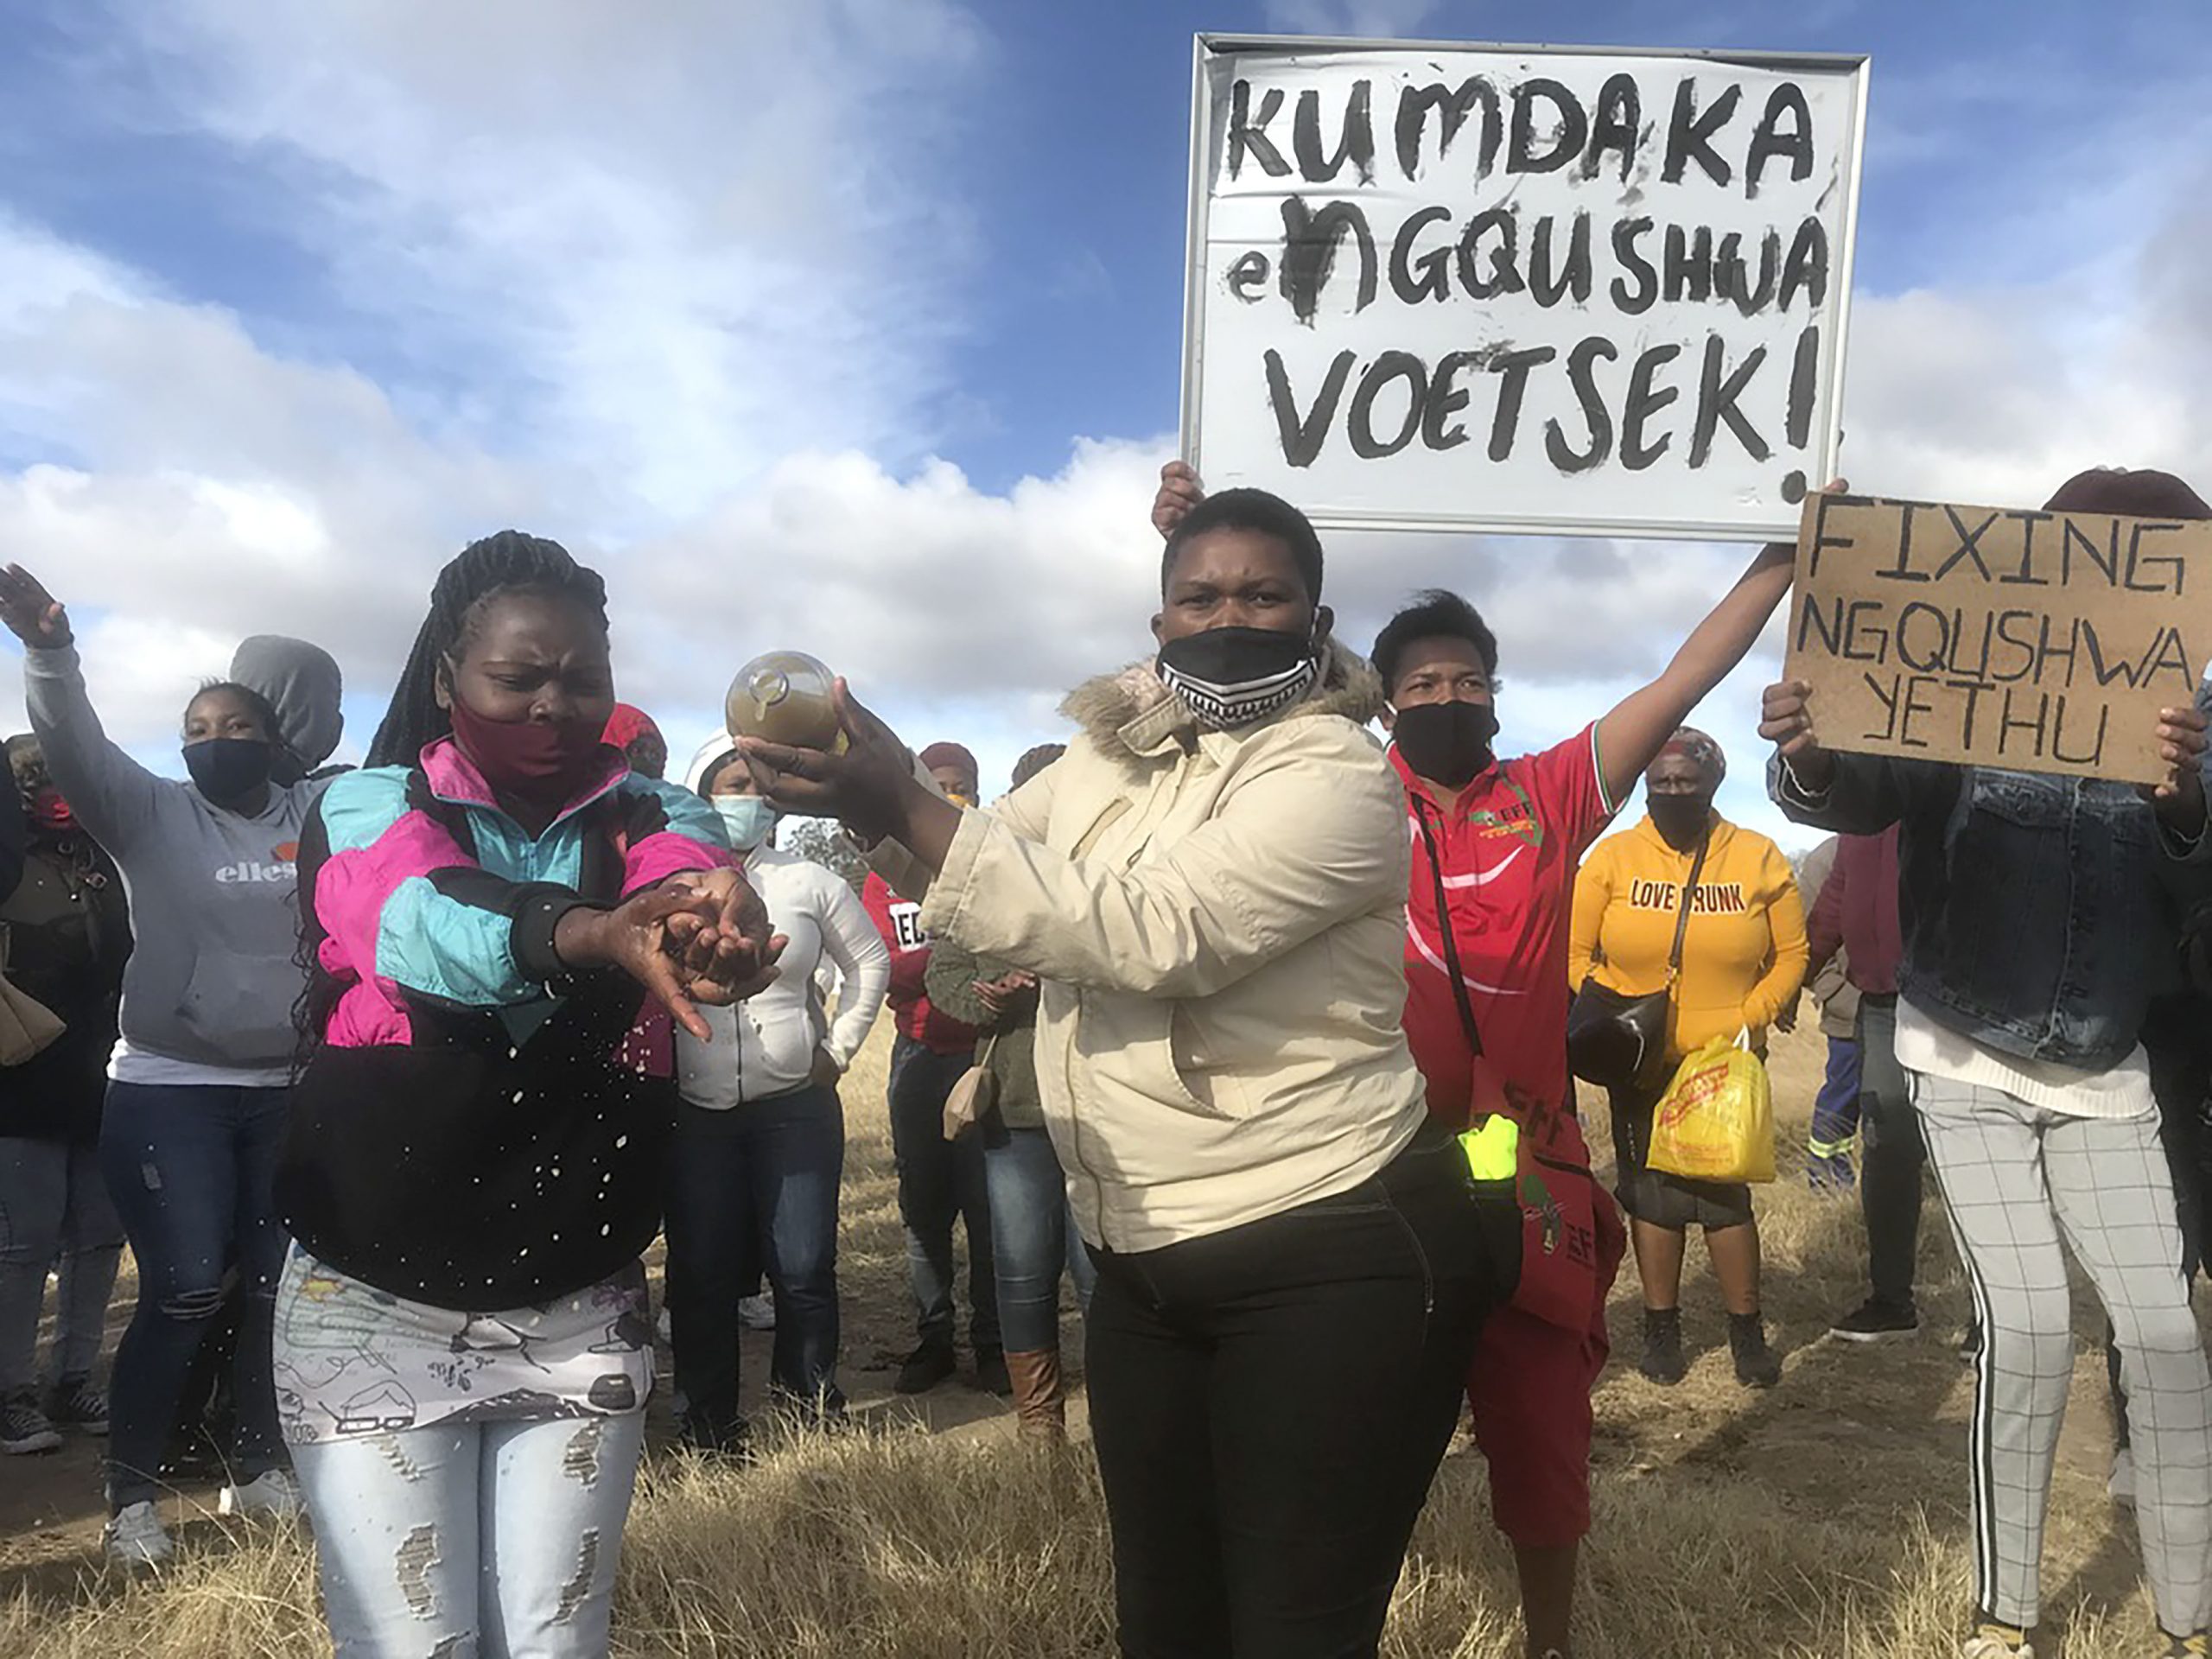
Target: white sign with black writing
pixel 1520 288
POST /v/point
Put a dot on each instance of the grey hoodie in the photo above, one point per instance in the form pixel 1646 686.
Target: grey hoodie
pixel 213 894
pixel 303 682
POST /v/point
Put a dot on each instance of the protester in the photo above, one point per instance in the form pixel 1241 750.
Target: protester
pixel 1855 922
pixel 68 936
pixel 477 1150
pixel 195 1104
pixel 760 1143
pixel 1500 842
pixel 303 684
pixel 1743 963
pixel 1828 1146
pixel 1293 1259
pixel 2037 924
pixel 939 1181
pixel 632 731
pixel 1033 1239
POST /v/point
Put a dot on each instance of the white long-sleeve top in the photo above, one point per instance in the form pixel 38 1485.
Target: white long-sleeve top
pixel 766 1045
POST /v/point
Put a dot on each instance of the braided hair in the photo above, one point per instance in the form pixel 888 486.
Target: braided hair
pixel 506 563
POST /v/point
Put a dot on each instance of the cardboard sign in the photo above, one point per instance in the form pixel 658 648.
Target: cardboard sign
pixel 1451 287
pixel 2028 640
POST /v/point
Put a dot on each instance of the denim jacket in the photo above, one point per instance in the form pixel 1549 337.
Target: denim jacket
pixel 2039 914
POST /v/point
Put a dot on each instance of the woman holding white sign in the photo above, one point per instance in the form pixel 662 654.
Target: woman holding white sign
pixel 2037 928
pixel 1293 1260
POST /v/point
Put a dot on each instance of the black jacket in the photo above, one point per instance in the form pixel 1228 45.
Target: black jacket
pixel 69 936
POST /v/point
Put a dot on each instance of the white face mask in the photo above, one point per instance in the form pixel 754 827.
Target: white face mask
pixel 748 818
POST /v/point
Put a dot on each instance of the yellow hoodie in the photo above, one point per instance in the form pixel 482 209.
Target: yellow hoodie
pixel 1743 957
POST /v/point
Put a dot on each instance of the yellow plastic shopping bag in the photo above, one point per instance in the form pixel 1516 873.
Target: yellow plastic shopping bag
pixel 1716 1121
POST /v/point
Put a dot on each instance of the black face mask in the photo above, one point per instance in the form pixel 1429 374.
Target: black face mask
pixel 228 769
pixel 1681 819
pixel 1232 676
pixel 1447 743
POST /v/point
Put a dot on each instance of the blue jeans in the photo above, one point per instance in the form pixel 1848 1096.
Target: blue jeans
pixel 940 1181
pixel 486 1539
pixel 190 1170
pixel 1032 1237
pixel 754 1187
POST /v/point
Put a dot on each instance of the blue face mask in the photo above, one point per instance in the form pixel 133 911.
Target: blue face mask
pixel 748 817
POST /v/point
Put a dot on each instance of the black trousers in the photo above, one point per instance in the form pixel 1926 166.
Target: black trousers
pixel 1269 1404
pixel 1889 1168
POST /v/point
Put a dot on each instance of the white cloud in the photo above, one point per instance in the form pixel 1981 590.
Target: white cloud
pixel 680 242
pixel 1350 19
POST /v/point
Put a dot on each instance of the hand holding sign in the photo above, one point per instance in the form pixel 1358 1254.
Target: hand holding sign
pixel 2180 799
pixel 1786 721
pixel 1179 492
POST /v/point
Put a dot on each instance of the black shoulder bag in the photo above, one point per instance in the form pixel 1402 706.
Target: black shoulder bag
pixel 1497 1203
pixel 1620 1042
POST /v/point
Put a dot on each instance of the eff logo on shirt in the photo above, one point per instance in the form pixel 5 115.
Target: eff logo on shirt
pixel 906 929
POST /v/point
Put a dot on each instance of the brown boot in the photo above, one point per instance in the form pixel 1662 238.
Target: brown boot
pixel 1038 1401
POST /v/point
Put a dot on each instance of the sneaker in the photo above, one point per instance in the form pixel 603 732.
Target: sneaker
pixel 1757 1366
pixel 275 1496
pixel 135 1537
pixel 1991 1640
pixel 2186 1647
pixel 25 1428
pixel 926 1367
pixel 757 1313
pixel 2121 1487
pixel 1830 1174
pixel 74 1402
pixel 1662 1360
pixel 709 1437
pixel 991 1374
pixel 1877 1321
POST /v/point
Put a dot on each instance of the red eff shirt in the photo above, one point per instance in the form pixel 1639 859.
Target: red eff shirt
pixel 1510 849
pixel 899 921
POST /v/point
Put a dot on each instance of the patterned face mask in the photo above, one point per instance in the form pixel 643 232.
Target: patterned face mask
pixel 1232 676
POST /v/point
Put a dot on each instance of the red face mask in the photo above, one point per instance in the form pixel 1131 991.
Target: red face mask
pixel 551 761
pixel 50 812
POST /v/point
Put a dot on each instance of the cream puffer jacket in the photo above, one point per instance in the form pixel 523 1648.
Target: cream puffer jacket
pixel 1219 921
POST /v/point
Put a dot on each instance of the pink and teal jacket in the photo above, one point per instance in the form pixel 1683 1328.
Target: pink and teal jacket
pixel 475 1126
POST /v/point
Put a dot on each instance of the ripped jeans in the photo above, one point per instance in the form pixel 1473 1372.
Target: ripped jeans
pixel 191 1170
pixel 472 1540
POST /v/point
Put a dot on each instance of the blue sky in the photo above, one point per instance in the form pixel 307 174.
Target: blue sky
pixel 855 326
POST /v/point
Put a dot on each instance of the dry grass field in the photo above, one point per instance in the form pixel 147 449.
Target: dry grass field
pixel 1826 1518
